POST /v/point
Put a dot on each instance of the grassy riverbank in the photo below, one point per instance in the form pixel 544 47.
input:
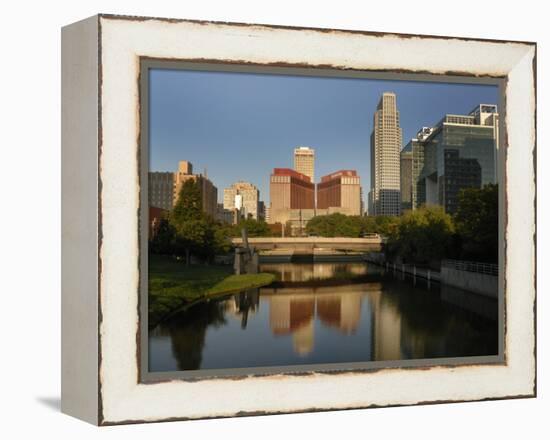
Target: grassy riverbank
pixel 172 284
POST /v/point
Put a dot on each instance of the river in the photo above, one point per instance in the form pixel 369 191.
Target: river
pixel 326 313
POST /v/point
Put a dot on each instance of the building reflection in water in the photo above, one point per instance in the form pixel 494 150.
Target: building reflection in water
pixel 380 320
pixel 404 326
pixel 386 329
pixel 293 314
pixel 293 311
pixel 340 311
pixel 244 304
pixel 188 340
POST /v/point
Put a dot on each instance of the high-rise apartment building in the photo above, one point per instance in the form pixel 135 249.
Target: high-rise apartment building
pixel 208 191
pixel 340 192
pixel 384 196
pixel 406 178
pixel 292 195
pixel 461 151
pixel 164 188
pixel 304 161
pixel 161 189
pixel 244 197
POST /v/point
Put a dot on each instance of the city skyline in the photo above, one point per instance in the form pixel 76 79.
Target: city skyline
pixel 260 119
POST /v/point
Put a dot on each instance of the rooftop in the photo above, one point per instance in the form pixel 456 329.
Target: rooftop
pixel 337 174
pixel 304 150
pixel 290 172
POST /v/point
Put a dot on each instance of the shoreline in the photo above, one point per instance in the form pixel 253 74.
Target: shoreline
pixel 186 303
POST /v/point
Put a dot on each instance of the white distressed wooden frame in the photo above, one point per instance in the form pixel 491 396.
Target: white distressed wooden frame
pixel 100 181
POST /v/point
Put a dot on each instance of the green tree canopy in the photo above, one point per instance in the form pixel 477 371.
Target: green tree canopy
pixel 334 225
pixel 422 235
pixel 164 239
pixel 255 228
pixel 194 229
pixel 340 225
pixel 189 202
pixel 380 224
pixel 193 236
pixel 477 223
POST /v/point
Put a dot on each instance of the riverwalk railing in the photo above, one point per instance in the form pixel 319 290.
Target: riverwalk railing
pixel 416 272
pixel 402 269
pixel 470 276
pixel 471 266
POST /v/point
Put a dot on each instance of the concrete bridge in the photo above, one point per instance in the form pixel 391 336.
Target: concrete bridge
pixel 314 244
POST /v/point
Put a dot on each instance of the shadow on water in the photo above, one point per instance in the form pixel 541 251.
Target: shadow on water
pixel 442 321
pixel 188 340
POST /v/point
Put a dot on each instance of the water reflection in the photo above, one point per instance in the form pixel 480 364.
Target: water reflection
pixel 298 272
pixel 187 341
pixel 290 323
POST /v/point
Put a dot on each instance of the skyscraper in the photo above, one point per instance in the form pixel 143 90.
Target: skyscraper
pixel 292 198
pixel 460 152
pixel 340 192
pixel 406 178
pixel 384 196
pixel 421 155
pixel 304 161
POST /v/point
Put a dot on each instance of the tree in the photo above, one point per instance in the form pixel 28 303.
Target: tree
pixel 422 236
pixel 335 225
pixel 193 236
pixel 189 203
pixel 255 228
pixel 194 232
pixel 321 225
pixel 222 234
pixel 348 226
pixel 477 223
pixel 379 224
pixel 340 225
pixel 188 230
pixel 164 240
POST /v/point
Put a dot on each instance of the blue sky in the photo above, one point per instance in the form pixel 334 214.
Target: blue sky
pixel 239 126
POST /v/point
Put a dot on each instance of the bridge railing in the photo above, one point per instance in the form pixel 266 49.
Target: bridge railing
pixel 370 235
pixel 329 240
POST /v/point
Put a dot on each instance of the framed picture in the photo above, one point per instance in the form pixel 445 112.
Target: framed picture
pixel 263 219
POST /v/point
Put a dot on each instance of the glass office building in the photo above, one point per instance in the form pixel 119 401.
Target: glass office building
pixel 417 147
pixel 459 152
pixel 406 178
